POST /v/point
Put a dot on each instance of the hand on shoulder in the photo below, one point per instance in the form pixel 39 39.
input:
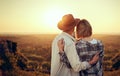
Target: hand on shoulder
pixel 61 44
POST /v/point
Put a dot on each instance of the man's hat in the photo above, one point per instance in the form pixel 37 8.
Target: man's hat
pixel 68 22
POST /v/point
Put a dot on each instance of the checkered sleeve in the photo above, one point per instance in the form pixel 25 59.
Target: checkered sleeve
pixel 101 48
pixel 64 59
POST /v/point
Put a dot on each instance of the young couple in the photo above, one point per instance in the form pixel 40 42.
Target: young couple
pixel 79 56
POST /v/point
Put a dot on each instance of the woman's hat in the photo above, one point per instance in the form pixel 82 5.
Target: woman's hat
pixel 68 22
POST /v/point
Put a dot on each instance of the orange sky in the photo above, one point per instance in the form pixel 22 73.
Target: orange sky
pixel 41 16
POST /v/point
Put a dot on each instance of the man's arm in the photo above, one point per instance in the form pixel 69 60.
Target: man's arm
pixel 74 60
pixel 69 56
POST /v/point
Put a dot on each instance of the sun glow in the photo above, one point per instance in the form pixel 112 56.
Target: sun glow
pixel 42 16
pixel 52 17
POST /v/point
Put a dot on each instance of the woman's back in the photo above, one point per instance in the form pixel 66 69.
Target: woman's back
pixel 86 50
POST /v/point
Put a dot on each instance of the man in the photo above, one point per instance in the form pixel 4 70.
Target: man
pixel 58 68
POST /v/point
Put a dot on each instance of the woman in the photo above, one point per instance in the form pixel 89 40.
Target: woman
pixel 86 47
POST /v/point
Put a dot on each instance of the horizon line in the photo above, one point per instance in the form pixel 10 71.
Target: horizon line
pixel 52 33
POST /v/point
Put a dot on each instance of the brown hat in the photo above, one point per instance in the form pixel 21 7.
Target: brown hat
pixel 68 22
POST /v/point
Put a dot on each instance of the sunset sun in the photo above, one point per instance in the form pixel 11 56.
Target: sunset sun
pixel 52 16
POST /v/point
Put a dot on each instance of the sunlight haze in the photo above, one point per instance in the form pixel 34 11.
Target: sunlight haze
pixel 42 16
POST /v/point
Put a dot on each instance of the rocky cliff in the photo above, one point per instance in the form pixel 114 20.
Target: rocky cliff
pixel 10 58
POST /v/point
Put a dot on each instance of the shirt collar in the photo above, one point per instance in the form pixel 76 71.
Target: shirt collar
pixel 69 36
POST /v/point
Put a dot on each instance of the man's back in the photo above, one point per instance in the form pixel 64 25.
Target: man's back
pixel 55 60
pixel 55 63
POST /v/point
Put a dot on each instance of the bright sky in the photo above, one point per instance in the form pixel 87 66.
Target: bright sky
pixel 41 16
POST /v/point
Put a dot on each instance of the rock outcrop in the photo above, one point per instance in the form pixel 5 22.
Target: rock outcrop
pixel 10 58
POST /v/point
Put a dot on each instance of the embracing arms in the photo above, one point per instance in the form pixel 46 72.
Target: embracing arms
pixel 71 58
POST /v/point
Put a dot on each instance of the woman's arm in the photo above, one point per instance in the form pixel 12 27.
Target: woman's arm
pixel 101 48
pixel 63 57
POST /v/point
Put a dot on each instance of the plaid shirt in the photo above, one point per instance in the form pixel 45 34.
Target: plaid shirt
pixel 86 51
